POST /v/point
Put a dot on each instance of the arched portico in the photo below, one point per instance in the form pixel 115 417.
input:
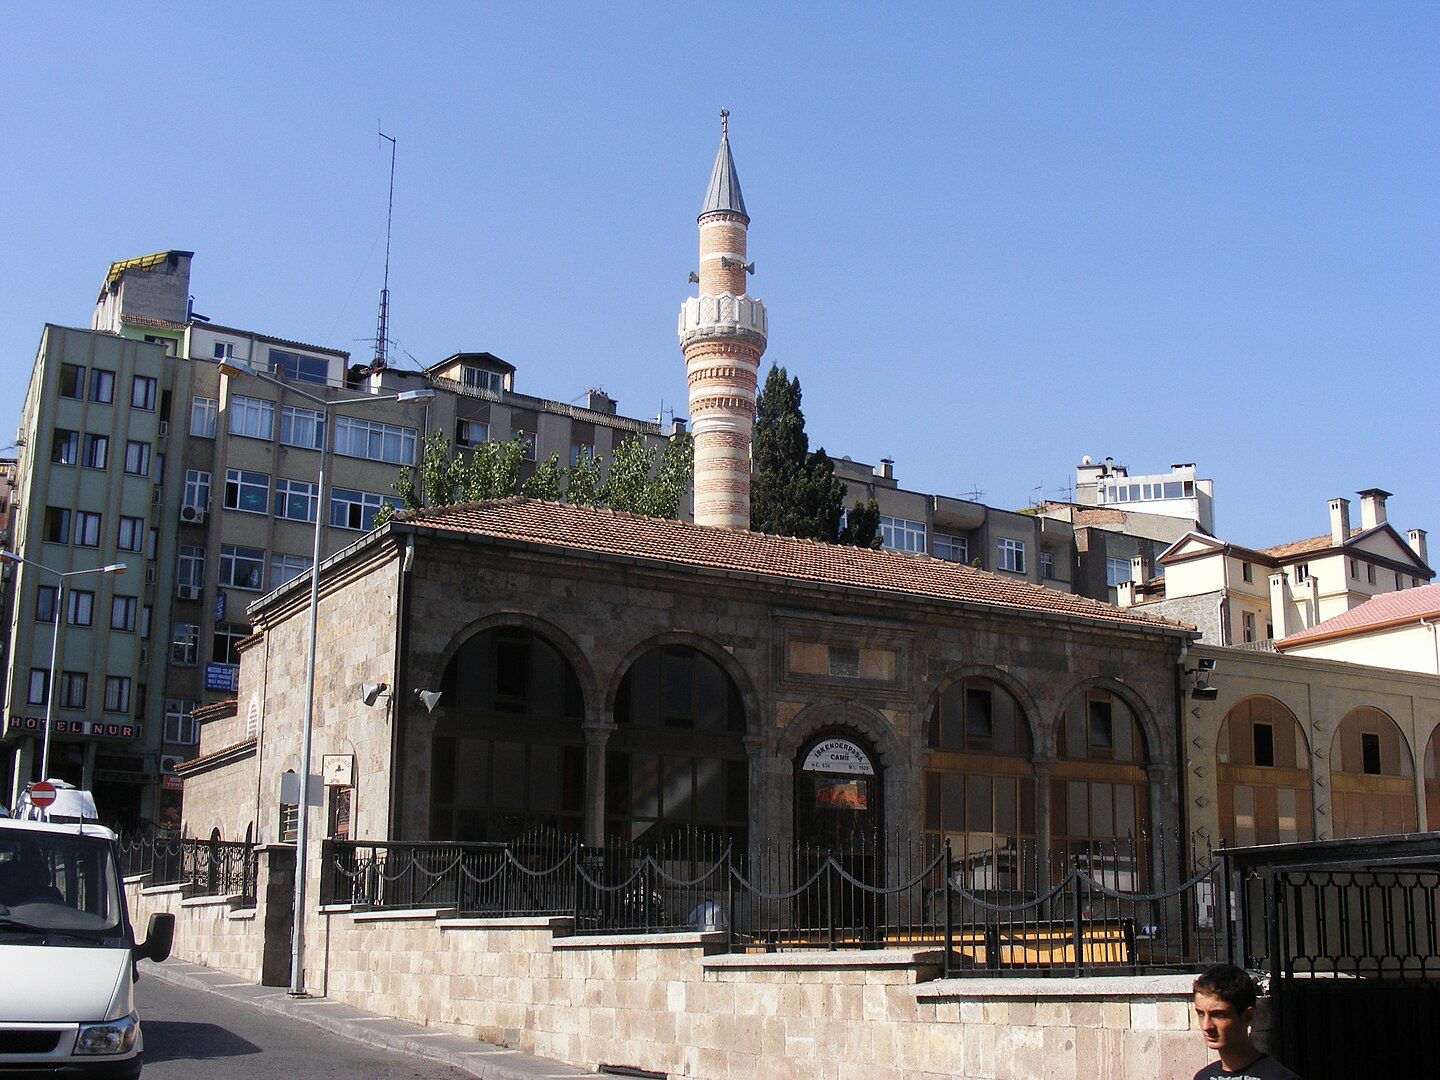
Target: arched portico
pixel 1372 775
pixel 1263 776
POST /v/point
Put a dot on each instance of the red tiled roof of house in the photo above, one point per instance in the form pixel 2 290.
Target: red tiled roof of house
pixel 1386 610
pixel 1301 547
pixel 666 540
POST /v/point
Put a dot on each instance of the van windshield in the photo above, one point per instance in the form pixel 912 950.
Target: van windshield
pixel 58 883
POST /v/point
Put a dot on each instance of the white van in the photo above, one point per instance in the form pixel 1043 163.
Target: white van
pixel 68 954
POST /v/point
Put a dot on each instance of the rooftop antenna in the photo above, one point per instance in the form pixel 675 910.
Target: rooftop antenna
pixel 382 328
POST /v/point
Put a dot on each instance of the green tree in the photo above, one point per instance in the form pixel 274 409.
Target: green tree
pixel 862 525
pixel 493 470
pixel 793 491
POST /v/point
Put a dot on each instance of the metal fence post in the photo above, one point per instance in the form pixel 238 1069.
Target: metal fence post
pixel 1078 930
pixel 830 899
pixel 949 921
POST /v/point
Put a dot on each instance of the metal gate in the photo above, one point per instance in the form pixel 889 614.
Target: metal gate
pixel 1349 932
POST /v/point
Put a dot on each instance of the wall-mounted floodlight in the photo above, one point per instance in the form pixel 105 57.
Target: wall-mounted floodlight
pixel 428 698
pixel 1202 690
pixel 371 691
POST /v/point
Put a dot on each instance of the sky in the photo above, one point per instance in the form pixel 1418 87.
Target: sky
pixel 992 238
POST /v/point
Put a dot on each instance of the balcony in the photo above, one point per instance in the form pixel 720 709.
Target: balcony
pixel 724 315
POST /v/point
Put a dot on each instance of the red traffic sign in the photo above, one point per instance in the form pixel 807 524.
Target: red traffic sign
pixel 42 794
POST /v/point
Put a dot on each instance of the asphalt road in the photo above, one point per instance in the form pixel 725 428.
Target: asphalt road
pixel 190 1033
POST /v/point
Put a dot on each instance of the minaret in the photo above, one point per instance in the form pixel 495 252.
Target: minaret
pixel 722 333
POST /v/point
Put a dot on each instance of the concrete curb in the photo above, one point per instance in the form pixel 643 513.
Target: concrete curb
pixel 468 1055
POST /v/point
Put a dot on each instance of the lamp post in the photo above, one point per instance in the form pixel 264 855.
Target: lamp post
pixel 62 576
pixel 233 367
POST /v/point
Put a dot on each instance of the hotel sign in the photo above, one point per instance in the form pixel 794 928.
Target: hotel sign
pixel 84 729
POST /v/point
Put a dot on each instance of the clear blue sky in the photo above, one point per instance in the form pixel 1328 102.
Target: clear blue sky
pixel 992 238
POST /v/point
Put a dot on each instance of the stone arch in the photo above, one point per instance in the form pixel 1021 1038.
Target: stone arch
pixel 1155 746
pixel 1263 801
pixel 552 634
pixel 1041 741
pixel 1366 800
pixel 870 722
pixel 701 644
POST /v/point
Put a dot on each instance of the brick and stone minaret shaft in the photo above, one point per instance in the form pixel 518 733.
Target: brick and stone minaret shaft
pixel 722 333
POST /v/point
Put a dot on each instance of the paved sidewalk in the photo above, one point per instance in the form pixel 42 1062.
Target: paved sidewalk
pixel 474 1057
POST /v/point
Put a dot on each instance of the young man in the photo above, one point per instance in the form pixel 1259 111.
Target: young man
pixel 1225 1005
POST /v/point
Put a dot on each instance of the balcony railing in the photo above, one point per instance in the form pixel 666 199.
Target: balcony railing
pixel 209 867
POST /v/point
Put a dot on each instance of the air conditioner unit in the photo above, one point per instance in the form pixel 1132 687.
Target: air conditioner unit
pixel 144 656
pixel 187 592
pixel 164 429
pixel 168 762
pixel 150 575
pixel 192 515
pixel 155 494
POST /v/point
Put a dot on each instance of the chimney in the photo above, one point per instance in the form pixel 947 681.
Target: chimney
pixel 887 468
pixel 599 401
pixel 1137 570
pixel 1339 521
pixel 1372 507
pixel 1418 545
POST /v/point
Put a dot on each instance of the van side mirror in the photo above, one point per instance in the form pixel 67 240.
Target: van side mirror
pixel 159 936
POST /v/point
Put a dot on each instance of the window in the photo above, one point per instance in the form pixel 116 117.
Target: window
pixel 57 525
pixel 296 500
pixel 1355 569
pixel 1247 572
pixel 480 379
pixel 242 567
pixel 87 529
pixel 180 726
pixel 1116 571
pixel 45 597
pixel 117 694
pixel 304 428
pixel 1247 620
pixel 190 570
pixel 142 393
pixel 122 613
pixel 64 447
pixel 288 365
pixel 102 386
pixel 202 417
pixel 152 538
pixel 580 451
pixel 1173 489
pixel 1047 565
pixel 197 489
pixel 285 568
pixel 1011 555
pixel 1302 572
pixel 898 534
pixel 357 509
pixel 1370 573
pixel 527 443
pixel 97 452
pixel 1264 740
pixel 39 690
pixel 80 608
pixel 471 433
pixel 184 643
pixel 951 548
pixel 1399 580
pixel 131 534
pixel 247 491
pixel 137 459
pixel 1102 724
pixel 252 417
pixel 168 343
pixel 224 350
pixel 145 621
pixel 74 688
pixel 1370 752
pixel 72 381
pixel 227 636
pixel 375 441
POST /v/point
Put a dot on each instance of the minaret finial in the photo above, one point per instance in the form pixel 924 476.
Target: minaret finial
pixel 724 123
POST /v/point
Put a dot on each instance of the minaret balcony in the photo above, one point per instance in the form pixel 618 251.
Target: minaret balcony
pixel 723 316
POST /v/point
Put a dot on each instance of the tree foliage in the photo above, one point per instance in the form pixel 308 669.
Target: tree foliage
pixel 635 482
pixel 794 492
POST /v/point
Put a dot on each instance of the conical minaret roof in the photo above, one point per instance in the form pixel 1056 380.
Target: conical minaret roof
pixel 724 190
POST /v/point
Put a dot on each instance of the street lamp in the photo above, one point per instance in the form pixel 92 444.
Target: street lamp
pixel 233 368
pixel 59 612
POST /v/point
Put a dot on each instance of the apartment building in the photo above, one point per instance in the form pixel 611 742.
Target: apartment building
pixel 155 416
pixel 1021 545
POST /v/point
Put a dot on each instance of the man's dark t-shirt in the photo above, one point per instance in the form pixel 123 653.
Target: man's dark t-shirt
pixel 1262 1068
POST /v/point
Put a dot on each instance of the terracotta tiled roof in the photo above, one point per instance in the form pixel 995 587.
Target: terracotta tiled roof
pixel 150 320
pixel 1302 547
pixel 216 710
pixel 675 542
pixel 1388 609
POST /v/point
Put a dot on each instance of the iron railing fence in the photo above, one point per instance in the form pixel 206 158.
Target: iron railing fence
pixel 209 867
pixel 1001 907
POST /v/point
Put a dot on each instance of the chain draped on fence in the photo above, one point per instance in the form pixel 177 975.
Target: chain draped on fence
pixel 209 867
pixel 1123 906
